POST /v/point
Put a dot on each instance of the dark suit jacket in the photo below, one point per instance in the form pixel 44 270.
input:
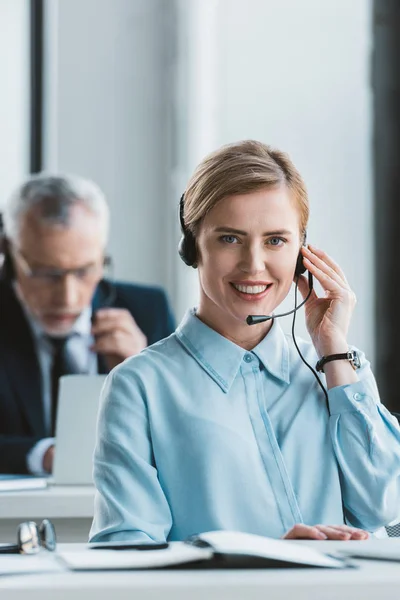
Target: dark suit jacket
pixel 21 406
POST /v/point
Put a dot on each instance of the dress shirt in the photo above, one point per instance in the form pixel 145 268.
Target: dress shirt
pixel 197 434
pixel 78 347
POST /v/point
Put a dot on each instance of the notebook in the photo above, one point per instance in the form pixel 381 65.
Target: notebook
pixel 215 549
pixel 16 483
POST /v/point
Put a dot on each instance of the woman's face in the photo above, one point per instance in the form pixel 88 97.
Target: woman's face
pixel 247 247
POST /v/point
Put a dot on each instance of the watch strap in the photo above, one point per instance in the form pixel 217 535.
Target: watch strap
pixel 351 356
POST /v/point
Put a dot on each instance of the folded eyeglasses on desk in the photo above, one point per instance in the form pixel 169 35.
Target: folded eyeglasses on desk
pixel 31 538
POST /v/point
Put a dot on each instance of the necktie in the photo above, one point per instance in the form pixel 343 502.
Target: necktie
pixel 62 365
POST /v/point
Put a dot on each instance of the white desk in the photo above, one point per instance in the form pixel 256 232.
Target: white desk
pixel 374 579
pixel 69 507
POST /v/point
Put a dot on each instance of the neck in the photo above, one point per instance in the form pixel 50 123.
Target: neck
pixel 241 334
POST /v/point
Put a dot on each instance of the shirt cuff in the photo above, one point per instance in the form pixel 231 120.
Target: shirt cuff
pixel 34 458
pixel 354 397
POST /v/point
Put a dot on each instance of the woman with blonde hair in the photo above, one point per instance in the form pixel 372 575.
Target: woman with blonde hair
pixel 221 426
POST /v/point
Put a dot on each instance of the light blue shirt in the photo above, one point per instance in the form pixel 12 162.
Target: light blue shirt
pixel 197 434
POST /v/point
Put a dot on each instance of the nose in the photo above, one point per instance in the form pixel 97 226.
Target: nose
pixel 67 291
pixel 253 259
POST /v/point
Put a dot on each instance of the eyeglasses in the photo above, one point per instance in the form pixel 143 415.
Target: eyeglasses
pixel 49 275
pixel 31 538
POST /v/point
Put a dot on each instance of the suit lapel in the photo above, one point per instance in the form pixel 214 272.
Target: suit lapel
pixel 22 365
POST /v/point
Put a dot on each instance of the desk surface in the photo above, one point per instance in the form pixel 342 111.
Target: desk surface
pixel 374 579
pixel 63 502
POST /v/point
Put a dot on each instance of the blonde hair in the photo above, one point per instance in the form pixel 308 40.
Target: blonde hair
pixel 240 168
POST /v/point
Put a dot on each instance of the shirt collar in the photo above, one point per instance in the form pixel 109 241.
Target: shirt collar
pixel 221 358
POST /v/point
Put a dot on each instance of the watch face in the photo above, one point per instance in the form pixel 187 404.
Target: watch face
pixel 356 360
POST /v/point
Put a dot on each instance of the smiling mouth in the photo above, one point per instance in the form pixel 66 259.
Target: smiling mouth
pixel 251 292
pixel 251 289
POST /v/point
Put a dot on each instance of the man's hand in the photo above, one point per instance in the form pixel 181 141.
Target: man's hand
pixel 116 335
pixel 325 532
pixel 48 459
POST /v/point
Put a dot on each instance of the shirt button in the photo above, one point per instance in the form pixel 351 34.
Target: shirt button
pixel 357 396
pixel 248 358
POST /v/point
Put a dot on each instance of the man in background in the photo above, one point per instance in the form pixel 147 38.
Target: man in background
pixel 58 314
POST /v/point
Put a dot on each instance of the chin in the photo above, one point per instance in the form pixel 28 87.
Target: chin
pixel 57 329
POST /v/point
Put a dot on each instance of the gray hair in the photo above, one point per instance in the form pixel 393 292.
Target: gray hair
pixel 55 195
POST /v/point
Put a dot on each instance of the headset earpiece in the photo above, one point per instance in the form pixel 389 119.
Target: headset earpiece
pixel 7 272
pixel 187 244
pixel 300 268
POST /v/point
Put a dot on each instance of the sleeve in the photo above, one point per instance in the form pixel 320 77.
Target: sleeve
pixel 366 441
pixel 14 452
pixel 34 459
pixel 129 503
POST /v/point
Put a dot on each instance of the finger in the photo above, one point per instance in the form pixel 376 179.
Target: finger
pixel 355 532
pixel 304 532
pixel 105 327
pixel 333 533
pixel 119 343
pixel 112 314
pixel 113 338
pixel 114 319
pixel 329 260
pixel 360 534
pixel 324 267
pixel 108 347
pixel 328 283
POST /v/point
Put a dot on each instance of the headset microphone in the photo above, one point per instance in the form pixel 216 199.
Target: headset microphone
pixel 255 319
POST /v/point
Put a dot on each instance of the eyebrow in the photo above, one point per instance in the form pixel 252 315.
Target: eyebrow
pixel 54 268
pixel 240 232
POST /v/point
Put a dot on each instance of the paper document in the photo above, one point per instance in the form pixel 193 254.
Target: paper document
pixel 235 542
pixel 216 549
pixel 17 564
pixel 178 553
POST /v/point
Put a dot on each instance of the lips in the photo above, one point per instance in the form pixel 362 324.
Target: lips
pixel 251 291
pixel 63 318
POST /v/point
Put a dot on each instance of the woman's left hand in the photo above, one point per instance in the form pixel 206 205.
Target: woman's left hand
pixel 325 532
pixel 327 318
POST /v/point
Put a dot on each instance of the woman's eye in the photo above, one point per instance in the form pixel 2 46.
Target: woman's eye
pixel 229 239
pixel 276 241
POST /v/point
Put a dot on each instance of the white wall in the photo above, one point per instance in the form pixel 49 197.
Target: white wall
pixel 296 75
pixel 107 117
pixel 14 96
pixel 139 90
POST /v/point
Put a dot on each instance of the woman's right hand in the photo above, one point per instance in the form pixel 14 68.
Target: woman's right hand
pixel 325 532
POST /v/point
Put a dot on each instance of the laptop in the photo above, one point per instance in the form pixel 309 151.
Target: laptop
pixel 78 403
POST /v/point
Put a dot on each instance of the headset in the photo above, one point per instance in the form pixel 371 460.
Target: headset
pixel 7 272
pixel 187 247
pixel 188 253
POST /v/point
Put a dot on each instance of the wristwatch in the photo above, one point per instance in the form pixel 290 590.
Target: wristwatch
pixel 352 356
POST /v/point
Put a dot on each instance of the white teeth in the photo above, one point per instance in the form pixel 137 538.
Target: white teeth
pixel 250 289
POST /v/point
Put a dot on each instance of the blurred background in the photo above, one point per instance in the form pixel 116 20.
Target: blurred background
pixel 133 93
